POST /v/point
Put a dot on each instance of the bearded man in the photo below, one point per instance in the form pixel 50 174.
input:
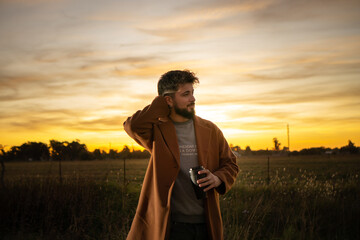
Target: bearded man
pixel 169 206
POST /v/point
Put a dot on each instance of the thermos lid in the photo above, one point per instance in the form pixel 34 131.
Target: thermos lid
pixel 197 168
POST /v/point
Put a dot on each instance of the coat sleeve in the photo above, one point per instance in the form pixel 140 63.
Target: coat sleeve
pixel 140 125
pixel 228 168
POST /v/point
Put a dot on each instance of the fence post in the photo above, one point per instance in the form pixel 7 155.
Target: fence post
pixel 2 161
pixel 60 173
pixel 268 171
pixel 124 185
pixel 2 172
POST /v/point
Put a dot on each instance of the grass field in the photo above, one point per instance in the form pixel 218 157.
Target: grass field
pixel 313 197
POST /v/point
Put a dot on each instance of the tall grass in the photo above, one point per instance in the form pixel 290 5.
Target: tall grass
pixel 74 209
pixel 307 198
pixel 274 212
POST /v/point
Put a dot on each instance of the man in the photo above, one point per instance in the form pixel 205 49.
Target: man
pixel 179 140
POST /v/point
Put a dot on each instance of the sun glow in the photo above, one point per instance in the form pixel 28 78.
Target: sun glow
pixel 81 73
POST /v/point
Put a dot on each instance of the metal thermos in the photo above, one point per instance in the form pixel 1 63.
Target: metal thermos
pixel 194 176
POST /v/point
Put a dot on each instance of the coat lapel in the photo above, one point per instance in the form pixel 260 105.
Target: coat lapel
pixel 169 133
pixel 203 134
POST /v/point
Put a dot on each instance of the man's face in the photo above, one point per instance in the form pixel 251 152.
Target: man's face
pixel 184 101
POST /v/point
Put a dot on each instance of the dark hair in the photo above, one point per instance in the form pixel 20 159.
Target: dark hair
pixel 171 80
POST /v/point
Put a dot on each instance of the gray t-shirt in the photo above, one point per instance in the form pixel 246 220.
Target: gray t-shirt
pixel 185 207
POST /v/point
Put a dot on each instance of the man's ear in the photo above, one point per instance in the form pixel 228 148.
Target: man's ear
pixel 169 101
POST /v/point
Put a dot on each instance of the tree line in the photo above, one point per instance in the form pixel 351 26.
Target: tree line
pixel 65 151
pixel 70 151
pixel 350 148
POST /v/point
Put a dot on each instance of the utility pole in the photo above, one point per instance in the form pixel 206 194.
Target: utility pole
pixel 109 156
pixel 288 136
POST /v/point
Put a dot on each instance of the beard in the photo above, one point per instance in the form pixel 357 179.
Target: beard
pixel 184 112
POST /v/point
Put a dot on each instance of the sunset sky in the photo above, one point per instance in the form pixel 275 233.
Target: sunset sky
pixel 76 69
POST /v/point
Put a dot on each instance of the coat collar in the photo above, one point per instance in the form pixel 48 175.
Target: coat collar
pixel 202 134
pixel 168 131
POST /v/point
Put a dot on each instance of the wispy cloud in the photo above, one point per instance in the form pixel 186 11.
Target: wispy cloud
pixel 302 92
pixel 118 63
pixel 299 11
pixel 200 20
pixel 42 119
pixel 73 70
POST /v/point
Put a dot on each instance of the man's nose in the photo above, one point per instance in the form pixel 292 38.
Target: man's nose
pixel 192 98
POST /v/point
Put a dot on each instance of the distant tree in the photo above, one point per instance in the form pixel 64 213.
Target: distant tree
pixel 97 154
pixel 248 150
pixel 77 151
pixel 276 144
pixel 350 148
pixel 313 151
pixel 104 154
pixel 335 150
pixel 69 151
pixel 13 154
pixel 113 154
pixel 236 148
pixel 30 151
pixel 58 150
pixel 125 152
pixel 138 154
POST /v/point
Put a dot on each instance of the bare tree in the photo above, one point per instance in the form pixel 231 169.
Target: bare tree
pixel 276 144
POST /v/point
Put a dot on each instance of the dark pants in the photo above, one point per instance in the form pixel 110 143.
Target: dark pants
pixel 188 231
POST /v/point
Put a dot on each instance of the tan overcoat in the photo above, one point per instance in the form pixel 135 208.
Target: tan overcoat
pixel 153 130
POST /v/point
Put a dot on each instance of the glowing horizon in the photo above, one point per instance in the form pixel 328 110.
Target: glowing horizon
pixel 76 70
